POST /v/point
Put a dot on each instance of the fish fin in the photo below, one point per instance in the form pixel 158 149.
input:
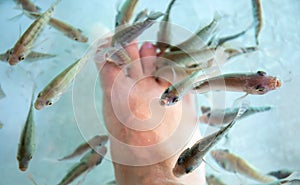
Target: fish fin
pixel 238 100
pixel 210 165
pixel 32 179
pixel 16 17
pixel 154 15
pixel 205 109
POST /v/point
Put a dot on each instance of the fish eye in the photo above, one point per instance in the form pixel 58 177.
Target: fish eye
pixel 260 88
pixel 39 95
pixel 10 52
pixel 174 100
pixel 76 38
pixel 261 73
pixel 180 160
pixel 48 103
pixel 208 115
pixel 188 169
pixel 21 58
pixel 223 164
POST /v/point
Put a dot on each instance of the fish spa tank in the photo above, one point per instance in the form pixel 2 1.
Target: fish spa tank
pixel 146 92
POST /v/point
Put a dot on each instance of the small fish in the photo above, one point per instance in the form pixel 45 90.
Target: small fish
pixel 93 142
pixel 26 146
pixel 215 42
pixel 220 117
pixel 191 158
pixel 1 125
pixel 251 83
pixel 68 30
pixel 143 14
pixel 124 15
pixel 190 61
pixel 119 56
pixel 2 93
pixel 25 43
pixel 201 38
pixel 32 56
pixel 281 174
pixel 232 52
pixel 57 87
pixel 175 92
pixel 164 32
pixel 257 16
pixel 212 180
pixel 126 35
pixel 87 162
pixel 235 164
pixel 28 5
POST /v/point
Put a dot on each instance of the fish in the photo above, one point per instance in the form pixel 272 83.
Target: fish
pixel 164 32
pixel 92 143
pixel 201 38
pixel 233 52
pixel 257 16
pixel 176 91
pixel 67 29
pixel 292 179
pixel 212 180
pixel 32 56
pixel 236 164
pixel 119 56
pixel 26 147
pixel 124 15
pixel 215 42
pixel 28 5
pixel 190 61
pixel 191 158
pixel 125 35
pixel 220 117
pixel 141 15
pixel 258 83
pixel 86 163
pixel 1 125
pixel 25 43
pixel 57 87
pixel 2 93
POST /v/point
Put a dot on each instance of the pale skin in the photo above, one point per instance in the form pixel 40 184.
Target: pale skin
pixel 134 117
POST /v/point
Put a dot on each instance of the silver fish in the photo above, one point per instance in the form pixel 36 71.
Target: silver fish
pixel 191 158
pixel 26 146
pixel 87 162
pixel 175 92
pixel 54 90
pixel 124 15
pixel 220 117
pixel 24 45
pixel 90 144
pixel 125 35
pixel 257 15
pixel 67 29
pixel 201 38
pixel 141 15
pixel 164 32
pixel 235 164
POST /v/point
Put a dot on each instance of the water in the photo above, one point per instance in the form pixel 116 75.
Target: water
pixel 267 140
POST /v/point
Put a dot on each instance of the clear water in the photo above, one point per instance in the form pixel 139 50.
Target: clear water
pixel 269 140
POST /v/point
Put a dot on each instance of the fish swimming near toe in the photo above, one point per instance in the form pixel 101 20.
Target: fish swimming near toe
pixel 191 158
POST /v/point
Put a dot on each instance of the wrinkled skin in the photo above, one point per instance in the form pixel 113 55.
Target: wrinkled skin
pixel 129 105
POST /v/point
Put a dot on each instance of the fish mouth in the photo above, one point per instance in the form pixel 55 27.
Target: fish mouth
pixel 176 172
pixel 163 102
pixel 38 105
pixel 277 83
